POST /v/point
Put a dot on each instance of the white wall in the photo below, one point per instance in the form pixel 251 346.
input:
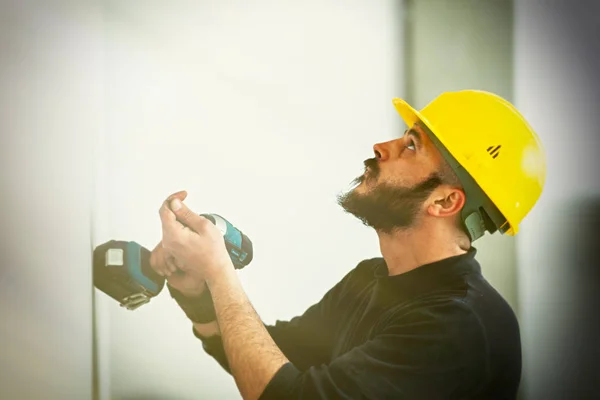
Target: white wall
pixel 557 59
pixel 263 111
pixel 50 114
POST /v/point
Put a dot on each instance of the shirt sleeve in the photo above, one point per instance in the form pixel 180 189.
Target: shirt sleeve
pixel 305 340
pixel 429 354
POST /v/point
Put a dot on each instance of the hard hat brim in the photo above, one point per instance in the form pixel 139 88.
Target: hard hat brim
pixel 407 112
pixel 412 116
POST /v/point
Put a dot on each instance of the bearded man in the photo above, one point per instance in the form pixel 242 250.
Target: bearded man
pixel 419 322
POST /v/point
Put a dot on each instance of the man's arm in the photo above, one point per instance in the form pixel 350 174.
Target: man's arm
pixel 414 357
pixel 306 340
pixel 253 356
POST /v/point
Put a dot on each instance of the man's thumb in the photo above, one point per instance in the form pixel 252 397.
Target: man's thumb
pixel 185 215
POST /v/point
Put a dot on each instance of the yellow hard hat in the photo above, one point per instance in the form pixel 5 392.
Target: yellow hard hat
pixel 494 151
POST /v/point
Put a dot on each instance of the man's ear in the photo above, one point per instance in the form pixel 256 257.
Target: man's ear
pixel 446 202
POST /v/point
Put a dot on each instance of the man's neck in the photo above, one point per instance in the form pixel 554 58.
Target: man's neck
pixel 406 250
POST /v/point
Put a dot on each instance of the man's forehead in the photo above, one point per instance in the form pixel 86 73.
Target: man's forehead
pixel 417 126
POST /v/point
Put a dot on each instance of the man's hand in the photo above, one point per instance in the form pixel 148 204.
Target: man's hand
pixel 168 266
pixel 198 246
pixel 195 243
pixel 163 263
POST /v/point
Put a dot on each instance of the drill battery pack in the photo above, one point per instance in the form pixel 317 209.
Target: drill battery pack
pixel 122 271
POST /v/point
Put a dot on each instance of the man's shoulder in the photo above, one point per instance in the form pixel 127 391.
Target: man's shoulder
pixel 365 269
pixel 477 316
pixel 361 274
pixel 438 307
pixel 369 263
pixel 465 303
pixel 451 325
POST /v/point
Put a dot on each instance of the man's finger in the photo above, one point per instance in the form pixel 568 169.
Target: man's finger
pixel 187 217
pixel 157 260
pixel 168 218
pixel 172 263
pixel 181 195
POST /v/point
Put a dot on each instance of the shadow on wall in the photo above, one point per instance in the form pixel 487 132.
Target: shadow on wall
pixel 575 372
pixel 587 260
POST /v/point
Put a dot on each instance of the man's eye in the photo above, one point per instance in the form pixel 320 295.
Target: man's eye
pixel 411 145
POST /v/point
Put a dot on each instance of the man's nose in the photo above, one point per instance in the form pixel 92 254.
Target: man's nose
pixel 380 152
pixel 383 151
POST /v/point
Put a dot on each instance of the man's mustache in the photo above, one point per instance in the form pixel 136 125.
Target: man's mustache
pixel 372 164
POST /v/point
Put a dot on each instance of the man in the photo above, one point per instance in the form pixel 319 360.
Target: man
pixel 421 322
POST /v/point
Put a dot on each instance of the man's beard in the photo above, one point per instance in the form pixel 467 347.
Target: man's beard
pixel 387 208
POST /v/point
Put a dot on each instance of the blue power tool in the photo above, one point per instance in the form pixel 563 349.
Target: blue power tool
pixel 122 269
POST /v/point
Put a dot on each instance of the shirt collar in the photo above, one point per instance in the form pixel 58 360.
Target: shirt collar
pixel 436 275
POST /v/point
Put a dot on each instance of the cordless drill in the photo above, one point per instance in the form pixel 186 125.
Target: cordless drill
pixel 122 269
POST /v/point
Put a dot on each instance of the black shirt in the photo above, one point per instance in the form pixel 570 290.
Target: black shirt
pixel 440 331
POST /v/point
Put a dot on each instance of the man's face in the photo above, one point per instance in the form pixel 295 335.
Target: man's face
pixel 396 184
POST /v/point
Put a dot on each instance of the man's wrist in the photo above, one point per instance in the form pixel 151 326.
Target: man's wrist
pixel 221 275
pixel 198 308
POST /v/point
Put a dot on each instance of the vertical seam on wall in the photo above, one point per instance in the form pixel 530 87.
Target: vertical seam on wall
pixel 408 51
pixel 93 167
pixel 512 88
